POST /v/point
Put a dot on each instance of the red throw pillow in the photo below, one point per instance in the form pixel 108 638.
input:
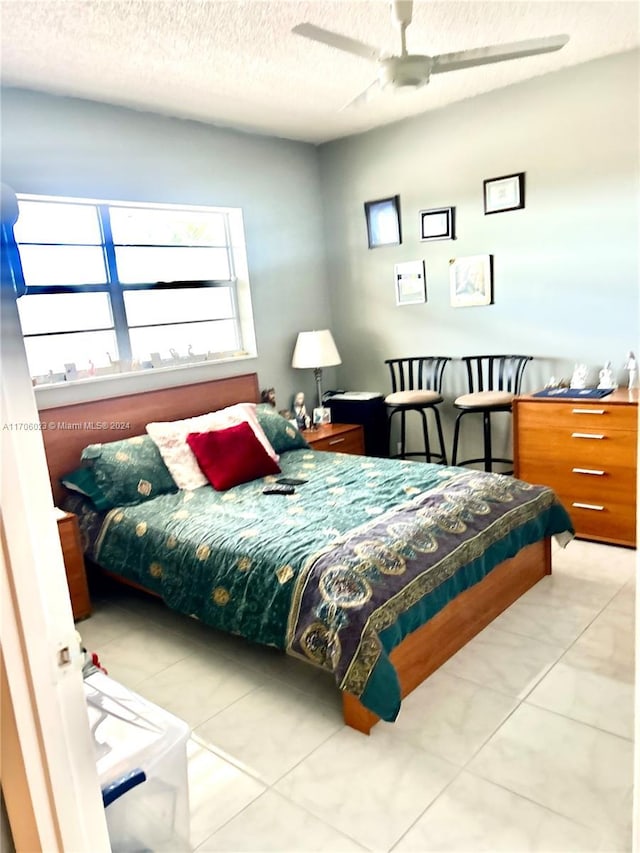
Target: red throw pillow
pixel 231 456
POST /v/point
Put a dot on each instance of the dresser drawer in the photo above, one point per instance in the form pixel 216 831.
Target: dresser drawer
pixel 601 506
pixel 580 483
pixel 585 448
pixel 347 442
pixel 605 521
pixel 577 416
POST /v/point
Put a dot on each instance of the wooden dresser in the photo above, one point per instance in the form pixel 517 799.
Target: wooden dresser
pixel 339 438
pixel 586 450
pixel 69 533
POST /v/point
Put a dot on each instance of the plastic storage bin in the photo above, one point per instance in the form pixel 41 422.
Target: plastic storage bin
pixel 130 733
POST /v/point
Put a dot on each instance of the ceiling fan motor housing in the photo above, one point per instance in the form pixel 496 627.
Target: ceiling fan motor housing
pixel 401 72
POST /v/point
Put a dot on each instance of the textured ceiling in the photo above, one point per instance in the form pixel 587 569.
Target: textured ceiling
pixel 236 63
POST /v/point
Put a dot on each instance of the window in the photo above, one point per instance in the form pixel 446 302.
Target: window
pixel 116 286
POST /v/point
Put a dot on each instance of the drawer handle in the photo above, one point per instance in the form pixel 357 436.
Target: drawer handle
pixel 588 471
pixel 588 411
pixel 336 441
pixel 588 506
pixel 586 435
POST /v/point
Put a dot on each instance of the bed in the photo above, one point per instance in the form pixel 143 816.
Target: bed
pixel 377 570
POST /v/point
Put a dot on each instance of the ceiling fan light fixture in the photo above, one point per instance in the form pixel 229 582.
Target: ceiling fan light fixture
pixel 404 72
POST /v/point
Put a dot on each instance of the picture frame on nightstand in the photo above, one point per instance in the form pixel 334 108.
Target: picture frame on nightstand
pixel 321 415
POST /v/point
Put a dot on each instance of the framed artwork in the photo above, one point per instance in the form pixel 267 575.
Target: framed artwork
pixel 505 193
pixel 438 224
pixel 321 415
pixel 471 281
pixel 410 283
pixel 383 222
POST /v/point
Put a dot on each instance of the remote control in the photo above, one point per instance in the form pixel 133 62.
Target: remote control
pixel 278 490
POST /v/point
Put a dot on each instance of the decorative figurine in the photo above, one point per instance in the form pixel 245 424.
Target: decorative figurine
pixel 579 376
pixel 632 366
pixel 300 411
pixel 268 395
pixel 606 377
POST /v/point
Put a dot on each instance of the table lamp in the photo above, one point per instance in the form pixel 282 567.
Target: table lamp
pixel 316 349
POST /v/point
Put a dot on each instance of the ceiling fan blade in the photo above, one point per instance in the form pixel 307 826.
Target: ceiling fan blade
pixel 359 48
pixel 496 53
pixel 364 97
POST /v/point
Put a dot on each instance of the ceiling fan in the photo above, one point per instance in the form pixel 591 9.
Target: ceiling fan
pixel 413 70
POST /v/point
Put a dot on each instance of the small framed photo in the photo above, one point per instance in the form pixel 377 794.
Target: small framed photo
pixel 438 224
pixel 471 281
pixel 410 283
pixel 505 193
pixel 383 222
pixel 321 415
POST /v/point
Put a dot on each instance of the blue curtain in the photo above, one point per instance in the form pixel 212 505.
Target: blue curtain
pixel 10 264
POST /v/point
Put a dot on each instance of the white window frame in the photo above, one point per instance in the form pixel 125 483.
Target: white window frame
pixel 238 283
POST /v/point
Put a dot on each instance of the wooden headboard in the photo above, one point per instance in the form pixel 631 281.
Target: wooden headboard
pixel 71 428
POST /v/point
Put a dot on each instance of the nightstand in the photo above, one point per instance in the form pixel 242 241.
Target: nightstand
pixel 339 438
pixel 69 533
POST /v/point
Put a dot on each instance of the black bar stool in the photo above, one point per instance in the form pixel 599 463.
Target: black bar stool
pixel 416 385
pixel 494 380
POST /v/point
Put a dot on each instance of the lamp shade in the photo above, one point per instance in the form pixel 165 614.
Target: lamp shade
pixel 315 349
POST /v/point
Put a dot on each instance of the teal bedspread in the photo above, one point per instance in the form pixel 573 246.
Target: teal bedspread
pixel 338 573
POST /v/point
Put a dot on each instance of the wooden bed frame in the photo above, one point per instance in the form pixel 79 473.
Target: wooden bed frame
pixel 72 427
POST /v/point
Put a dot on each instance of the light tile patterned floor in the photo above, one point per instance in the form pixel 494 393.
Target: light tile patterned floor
pixel 521 742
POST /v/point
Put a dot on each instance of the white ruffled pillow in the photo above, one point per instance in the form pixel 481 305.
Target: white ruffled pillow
pixel 170 438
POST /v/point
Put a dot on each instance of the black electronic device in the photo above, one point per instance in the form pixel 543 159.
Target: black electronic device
pixel 368 409
pixel 290 481
pixel 278 490
pixel 328 394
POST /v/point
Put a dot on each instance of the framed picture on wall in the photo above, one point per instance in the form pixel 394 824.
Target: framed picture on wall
pixel 438 224
pixel 410 283
pixel 471 281
pixel 383 222
pixel 505 193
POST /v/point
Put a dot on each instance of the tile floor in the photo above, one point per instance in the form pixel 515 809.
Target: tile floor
pixel 520 742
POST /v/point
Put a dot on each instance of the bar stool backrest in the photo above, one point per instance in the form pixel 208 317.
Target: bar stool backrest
pixel 417 373
pixel 495 372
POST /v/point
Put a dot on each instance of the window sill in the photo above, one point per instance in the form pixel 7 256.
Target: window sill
pixel 134 381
